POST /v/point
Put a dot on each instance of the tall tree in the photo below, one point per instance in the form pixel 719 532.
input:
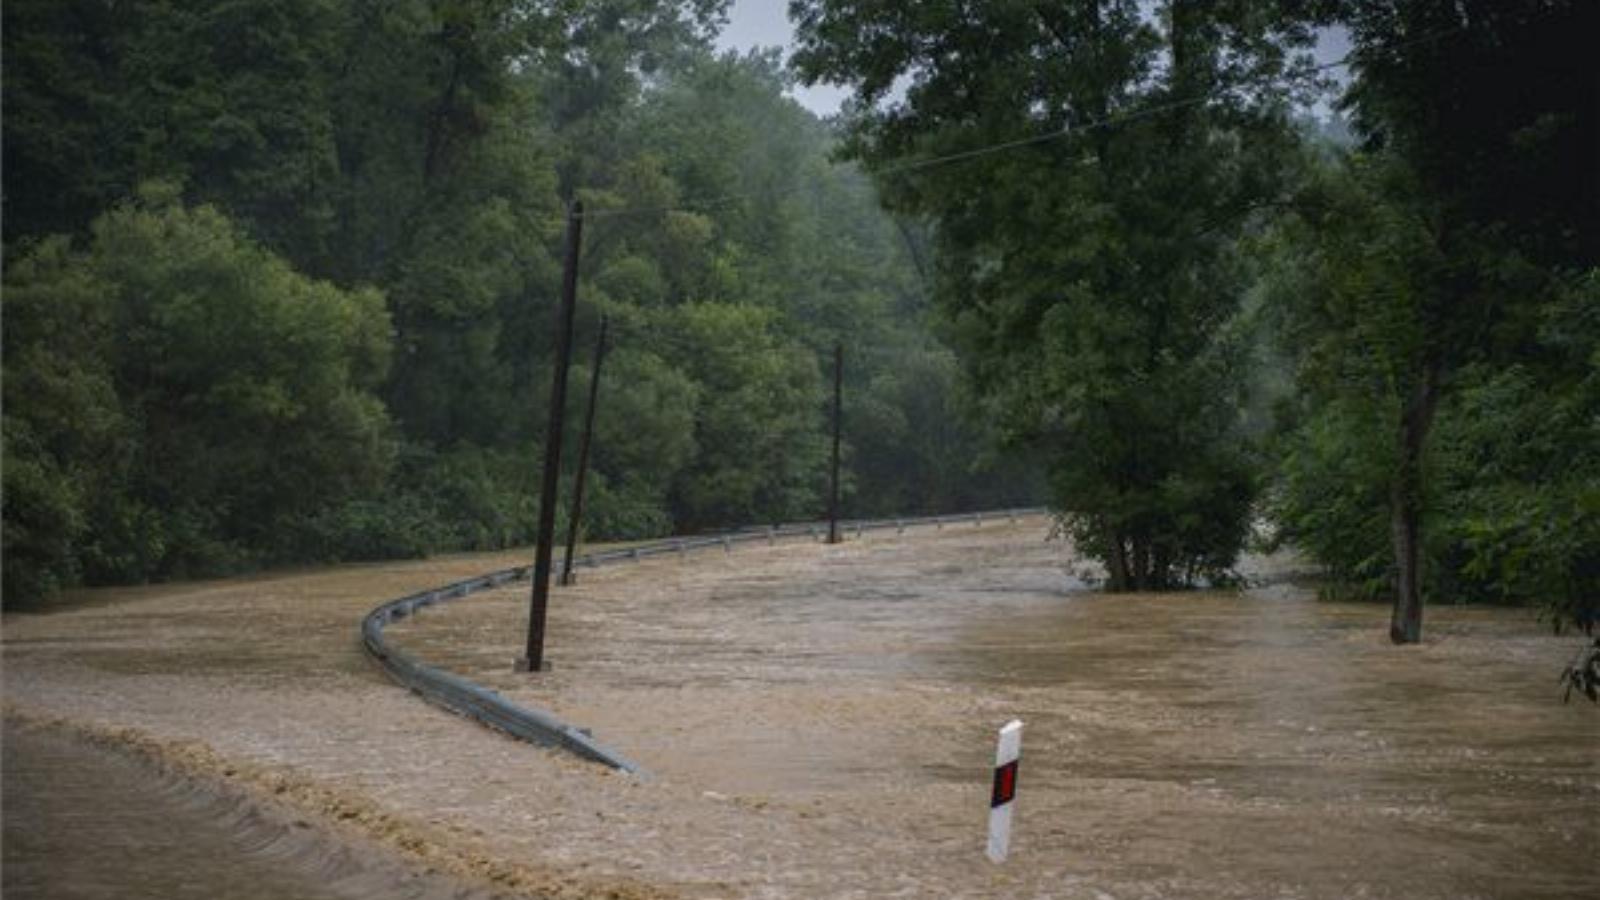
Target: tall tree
pixel 1087 268
pixel 1493 109
pixel 328 151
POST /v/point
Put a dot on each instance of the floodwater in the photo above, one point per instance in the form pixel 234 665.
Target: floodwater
pixel 86 821
pixel 819 722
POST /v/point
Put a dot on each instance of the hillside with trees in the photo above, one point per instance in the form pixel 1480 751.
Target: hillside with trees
pixel 1142 246
pixel 280 280
pixel 280 284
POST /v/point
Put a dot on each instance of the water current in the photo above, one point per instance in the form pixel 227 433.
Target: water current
pixel 84 821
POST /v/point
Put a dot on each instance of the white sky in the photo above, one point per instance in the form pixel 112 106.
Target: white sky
pixel 765 23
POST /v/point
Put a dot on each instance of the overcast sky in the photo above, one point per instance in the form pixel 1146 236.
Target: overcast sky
pixel 765 23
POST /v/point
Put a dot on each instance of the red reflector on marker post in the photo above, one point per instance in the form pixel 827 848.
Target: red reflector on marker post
pixel 1001 799
pixel 1005 784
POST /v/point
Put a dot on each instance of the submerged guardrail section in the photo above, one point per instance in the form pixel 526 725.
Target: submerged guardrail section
pixel 535 726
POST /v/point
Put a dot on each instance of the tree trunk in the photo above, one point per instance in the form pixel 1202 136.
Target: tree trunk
pixel 1119 564
pixel 1405 507
pixel 1405 625
pixel 1141 564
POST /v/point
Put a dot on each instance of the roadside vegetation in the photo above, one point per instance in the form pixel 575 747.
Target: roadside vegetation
pixel 1378 330
pixel 280 281
pixel 280 276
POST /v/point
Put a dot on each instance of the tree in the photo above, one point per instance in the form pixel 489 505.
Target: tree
pixel 1489 113
pixel 1089 271
pixel 63 423
pixel 1358 289
pixel 758 425
pixel 421 152
pixel 729 197
pixel 178 400
pixel 224 99
pixel 1518 486
pixel 1506 512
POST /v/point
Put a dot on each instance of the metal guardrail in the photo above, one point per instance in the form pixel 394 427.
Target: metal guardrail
pixel 476 702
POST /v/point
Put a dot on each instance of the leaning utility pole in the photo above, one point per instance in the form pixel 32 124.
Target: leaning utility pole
pixel 533 659
pixel 838 416
pixel 583 458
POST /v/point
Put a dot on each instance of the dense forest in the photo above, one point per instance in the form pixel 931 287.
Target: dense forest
pixel 280 285
pixel 280 280
pixel 1207 316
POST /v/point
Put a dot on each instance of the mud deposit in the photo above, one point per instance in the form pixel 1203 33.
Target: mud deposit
pixel 818 722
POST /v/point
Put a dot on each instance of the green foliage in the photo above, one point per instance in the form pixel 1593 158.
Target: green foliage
pixel 1432 277
pixel 757 426
pixel 1090 278
pixel 1512 510
pixel 180 401
pixel 1330 497
pixel 175 397
pixel 102 97
pixel 390 526
pixel 912 447
pixel 630 510
pixel 1519 510
pixel 63 423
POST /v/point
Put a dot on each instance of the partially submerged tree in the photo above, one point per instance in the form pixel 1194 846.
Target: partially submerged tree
pixel 1481 121
pixel 1087 267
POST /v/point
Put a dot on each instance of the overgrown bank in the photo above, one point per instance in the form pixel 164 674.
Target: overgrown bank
pixel 280 286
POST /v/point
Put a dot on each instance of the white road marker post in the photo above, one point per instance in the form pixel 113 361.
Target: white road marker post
pixel 1002 797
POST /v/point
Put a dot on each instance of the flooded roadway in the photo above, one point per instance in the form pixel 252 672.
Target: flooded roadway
pixel 83 821
pixel 1185 745
pixel 818 722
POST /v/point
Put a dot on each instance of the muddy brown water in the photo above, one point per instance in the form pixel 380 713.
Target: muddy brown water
pixel 85 821
pixel 819 722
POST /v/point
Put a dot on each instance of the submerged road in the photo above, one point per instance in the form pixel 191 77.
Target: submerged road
pixel 817 721
pixel 83 821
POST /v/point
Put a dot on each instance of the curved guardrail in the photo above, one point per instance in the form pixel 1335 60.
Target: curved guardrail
pixel 476 702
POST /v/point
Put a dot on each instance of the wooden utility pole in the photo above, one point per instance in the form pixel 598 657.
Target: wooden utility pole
pixel 838 418
pixel 533 659
pixel 583 458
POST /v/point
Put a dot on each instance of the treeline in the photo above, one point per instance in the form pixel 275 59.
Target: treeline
pixel 280 282
pixel 1205 316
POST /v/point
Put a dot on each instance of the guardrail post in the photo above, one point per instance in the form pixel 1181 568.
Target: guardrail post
pixel 899 526
pixel 727 545
pixel 772 535
pixel 977 520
